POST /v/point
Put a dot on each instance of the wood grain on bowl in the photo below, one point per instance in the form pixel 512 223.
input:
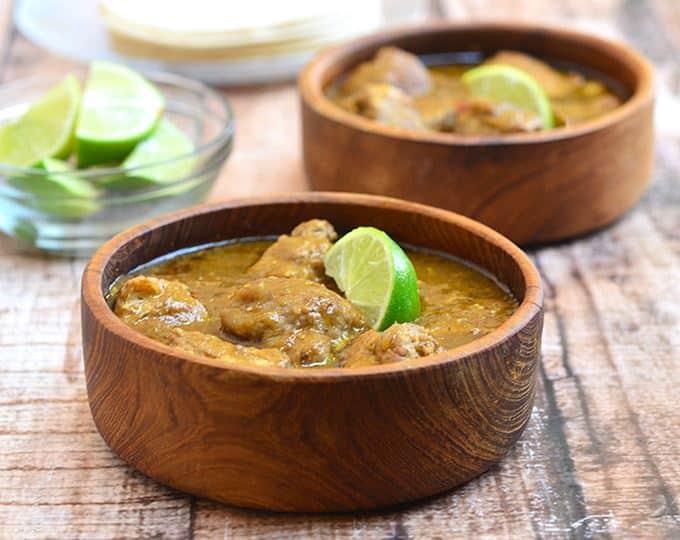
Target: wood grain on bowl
pixel 311 440
pixel 535 187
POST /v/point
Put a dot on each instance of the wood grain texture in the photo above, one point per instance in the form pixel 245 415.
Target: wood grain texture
pixel 534 188
pixel 605 416
pixel 311 440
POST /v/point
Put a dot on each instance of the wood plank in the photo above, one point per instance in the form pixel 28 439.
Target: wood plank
pixel 668 11
pixel 600 456
pixel 26 59
pixel 18 452
pixel 619 479
pixel 272 129
pixel 529 10
pixel 144 518
pixel 6 31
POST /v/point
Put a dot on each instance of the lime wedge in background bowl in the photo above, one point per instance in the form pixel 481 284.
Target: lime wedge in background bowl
pixel 169 147
pixel 376 275
pixel 59 192
pixel 45 130
pixel 58 183
pixel 119 109
pixel 507 84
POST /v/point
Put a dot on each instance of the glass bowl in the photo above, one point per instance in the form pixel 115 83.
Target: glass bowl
pixel 72 226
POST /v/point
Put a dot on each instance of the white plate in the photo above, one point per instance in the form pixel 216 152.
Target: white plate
pixel 232 22
pixel 74 29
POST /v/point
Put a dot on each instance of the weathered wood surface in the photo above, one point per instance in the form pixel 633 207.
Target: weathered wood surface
pixel 600 458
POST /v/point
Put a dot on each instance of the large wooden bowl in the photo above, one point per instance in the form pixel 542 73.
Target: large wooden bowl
pixel 311 439
pixel 533 188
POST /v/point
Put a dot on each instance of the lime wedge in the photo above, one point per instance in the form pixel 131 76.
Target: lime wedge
pixel 58 184
pixel 165 143
pixel 59 193
pixel 45 130
pixel 119 109
pixel 25 231
pixel 507 84
pixel 376 275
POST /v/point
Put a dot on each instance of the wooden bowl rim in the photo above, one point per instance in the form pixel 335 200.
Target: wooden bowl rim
pixel 532 303
pixel 313 94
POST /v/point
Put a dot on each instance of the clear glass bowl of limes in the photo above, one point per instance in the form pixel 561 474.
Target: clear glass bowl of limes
pixel 86 155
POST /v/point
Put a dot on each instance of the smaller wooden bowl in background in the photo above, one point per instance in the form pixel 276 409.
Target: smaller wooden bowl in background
pixel 311 439
pixel 534 188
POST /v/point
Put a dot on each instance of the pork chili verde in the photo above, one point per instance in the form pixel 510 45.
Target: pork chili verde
pixel 270 303
pixel 397 89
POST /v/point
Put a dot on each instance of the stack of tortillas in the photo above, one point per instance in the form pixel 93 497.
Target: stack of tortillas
pixel 224 30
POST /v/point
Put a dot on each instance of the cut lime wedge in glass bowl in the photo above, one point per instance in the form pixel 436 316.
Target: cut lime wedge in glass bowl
pixel 45 130
pixel 119 109
pixel 58 193
pixel 169 147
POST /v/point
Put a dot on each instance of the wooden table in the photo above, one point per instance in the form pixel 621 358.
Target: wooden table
pixel 600 458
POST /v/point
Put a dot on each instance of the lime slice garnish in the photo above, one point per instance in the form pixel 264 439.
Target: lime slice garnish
pixel 58 193
pixel 119 109
pixel 45 130
pixel 375 274
pixel 165 143
pixel 507 84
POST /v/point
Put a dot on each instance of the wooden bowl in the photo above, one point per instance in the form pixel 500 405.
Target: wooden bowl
pixel 535 187
pixel 311 439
